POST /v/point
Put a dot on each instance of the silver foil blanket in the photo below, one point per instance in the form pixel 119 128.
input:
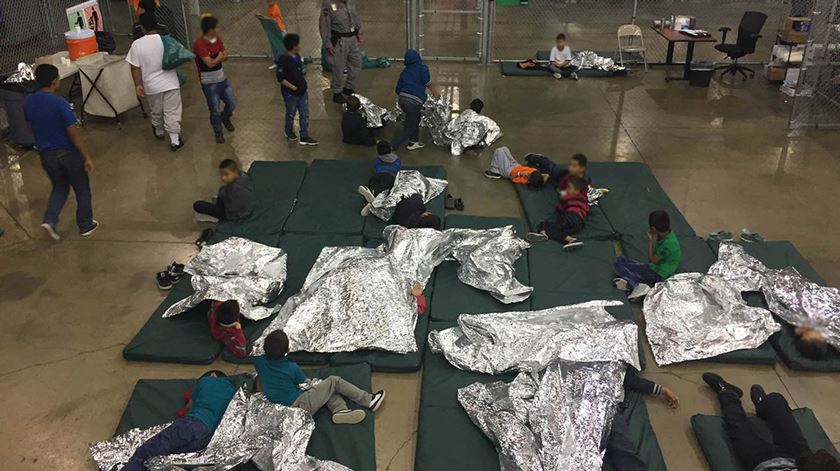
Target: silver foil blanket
pixel 375 115
pixel 407 183
pixel 435 116
pixel 595 194
pixel 789 295
pixel 552 420
pixel 465 130
pixel 591 60
pixel 530 341
pixel 272 436
pixel 692 316
pixel 358 298
pixel 25 73
pixel 249 272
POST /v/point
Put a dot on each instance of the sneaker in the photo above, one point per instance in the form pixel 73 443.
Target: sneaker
pixel 307 141
pixel 348 416
pixel 160 136
pixel 639 292
pixel 415 146
pixel 163 281
pixel 366 193
pixel 747 236
pixel 87 232
pixel 572 245
pixel 203 238
pixel 378 399
pixel 366 210
pixel 51 231
pixel 459 204
pixel 201 217
pixel 718 384
pixel 220 138
pixel 622 284
pixel 493 175
pixel 558 76
pixel 291 136
pixel 449 203
pixel 339 98
pixel 228 125
pixel 757 394
pixel 536 237
pixel 175 271
pixel 177 147
pixel 720 235
pixel 574 76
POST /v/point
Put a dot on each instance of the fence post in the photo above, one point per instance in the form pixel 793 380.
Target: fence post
pixel 486 28
pixel 411 33
pixel 635 10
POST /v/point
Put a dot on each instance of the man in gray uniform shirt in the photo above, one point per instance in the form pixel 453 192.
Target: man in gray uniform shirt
pixel 340 36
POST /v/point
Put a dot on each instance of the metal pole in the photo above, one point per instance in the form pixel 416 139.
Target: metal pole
pixel 187 35
pixel 484 34
pixel 420 27
pixel 635 10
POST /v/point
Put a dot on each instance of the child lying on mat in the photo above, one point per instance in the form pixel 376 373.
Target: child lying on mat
pixel 664 255
pixel 503 165
pixel 225 326
pixel 193 430
pixel 788 450
pixel 354 128
pixel 571 211
pixel 558 176
pixel 559 61
pixel 280 379
pixel 236 198
pixel 411 212
pixel 811 343
pixel 386 165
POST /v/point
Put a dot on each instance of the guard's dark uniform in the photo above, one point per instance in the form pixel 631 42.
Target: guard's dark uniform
pixel 340 30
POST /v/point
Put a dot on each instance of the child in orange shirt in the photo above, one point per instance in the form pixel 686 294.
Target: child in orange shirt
pixel 274 12
pixel 503 165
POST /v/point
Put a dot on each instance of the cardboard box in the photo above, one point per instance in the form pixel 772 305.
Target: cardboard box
pixel 792 76
pixel 775 74
pixel 796 29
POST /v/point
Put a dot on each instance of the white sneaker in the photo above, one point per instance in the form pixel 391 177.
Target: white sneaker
pixel 640 291
pixel 366 193
pixel 621 283
pixel 348 416
pixel 574 76
pixel 51 231
pixel 378 399
pixel 366 210
pixel 558 76
pixel 574 244
pixel 415 146
pixel 201 217
pixel 536 237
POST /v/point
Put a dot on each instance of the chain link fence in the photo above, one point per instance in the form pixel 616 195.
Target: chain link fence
pixel 816 102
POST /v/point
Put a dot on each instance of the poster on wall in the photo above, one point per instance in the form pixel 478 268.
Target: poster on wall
pixel 86 15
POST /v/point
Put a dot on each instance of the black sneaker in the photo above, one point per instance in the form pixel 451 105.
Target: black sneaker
pixel 163 281
pixel 175 272
pixel 307 141
pixel 159 137
pixel 339 98
pixel 228 125
pixel 348 92
pixel 176 148
pixel 220 138
pixel 757 394
pixel 202 239
pixel 292 136
pixel 378 399
pixel 90 230
pixel 493 175
pixel 718 384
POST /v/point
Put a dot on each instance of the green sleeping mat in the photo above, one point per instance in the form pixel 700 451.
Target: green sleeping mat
pixel 539 204
pixel 781 254
pixel 719 453
pixel 276 186
pixel 302 250
pixel 588 269
pixel 328 201
pixel 447 439
pixel 697 257
pixel 634 194
pixel 510 69
pixel 452 297
pixel 155 402
pixel 374 226
pixel 184 338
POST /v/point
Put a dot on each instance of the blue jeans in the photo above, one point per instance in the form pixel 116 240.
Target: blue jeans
pixel 214 93
pixel 297 104
pixel 183 436
pixel 634 272
pixel 66 168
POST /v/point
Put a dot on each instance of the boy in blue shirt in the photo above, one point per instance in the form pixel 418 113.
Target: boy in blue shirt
pixel 193 432
pixel 280 379
pixel 63 155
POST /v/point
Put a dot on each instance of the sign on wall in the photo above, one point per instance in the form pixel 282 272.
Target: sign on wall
pixel 86 15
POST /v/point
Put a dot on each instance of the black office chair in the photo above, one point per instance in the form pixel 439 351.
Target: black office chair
pixel 748 34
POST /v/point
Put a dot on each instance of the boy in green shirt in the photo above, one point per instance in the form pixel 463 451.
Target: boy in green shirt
pixel 663 256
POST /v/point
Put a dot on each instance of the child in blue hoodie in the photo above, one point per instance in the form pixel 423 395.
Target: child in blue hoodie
pixel 386 165
pixel 411 91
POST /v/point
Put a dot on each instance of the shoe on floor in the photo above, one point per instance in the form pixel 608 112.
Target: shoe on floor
pixel 366 193
pixel 622 284
pixel 572 245
pixel 177 147
pixel 228 125
pixel 757 394
pixel 160 136
pixel 459 204
pixel 201 217
pixel 220 138
pixel 449 203
pixel 574 76
pixel 747 236
pixel 720 235
pixel 536 237
pixel 493 175
pixel 415 145
pixel 307 141
pixel 51 231
pixel 292 136
pixel 639 292
pixel 163 281
pixel 348 416
pixel 718 384
pixel 558 76
pixel 366 210
pixel 90 230
pixel 378 399
pixel 339 98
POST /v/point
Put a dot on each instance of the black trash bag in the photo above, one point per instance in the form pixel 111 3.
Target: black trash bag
pixel 106 42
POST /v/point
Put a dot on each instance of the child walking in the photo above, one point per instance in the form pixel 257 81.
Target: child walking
pixel 209 54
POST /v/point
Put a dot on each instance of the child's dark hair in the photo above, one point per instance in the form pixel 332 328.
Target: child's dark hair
pixel 218 373
pixel 814 350
pixel 429 221
pixel 560 36
pixel 660 221
pixel 45 75
pixel 535 179
pixel 383 147
pixel 290 41
pixel 580 159
pixel 477 105
pixel 228 312
pixel 229 164
pixel 208 23
pixel 276 345
pixel 819 460
pixel 148 21
pixel 353 103
pixel 578 183
pixel 148 5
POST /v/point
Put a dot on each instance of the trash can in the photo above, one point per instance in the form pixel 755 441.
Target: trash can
pixel 12 95
pixel 701 74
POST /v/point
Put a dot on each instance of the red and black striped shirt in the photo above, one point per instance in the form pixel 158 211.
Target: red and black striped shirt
pixel 577 203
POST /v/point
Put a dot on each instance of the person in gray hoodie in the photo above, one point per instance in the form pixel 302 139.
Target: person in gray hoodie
pixel 236 197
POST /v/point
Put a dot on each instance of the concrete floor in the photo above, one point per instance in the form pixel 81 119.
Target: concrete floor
pixel 723 154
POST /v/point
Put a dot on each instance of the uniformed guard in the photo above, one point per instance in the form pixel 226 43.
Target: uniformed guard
pixel 340 35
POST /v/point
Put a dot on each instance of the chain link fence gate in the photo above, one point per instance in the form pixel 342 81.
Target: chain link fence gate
pixel 450 29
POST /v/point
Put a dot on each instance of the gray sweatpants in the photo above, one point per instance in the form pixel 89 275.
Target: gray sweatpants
pixel 502 162
pixel 331 392
pixel 347 54
pixel 165 109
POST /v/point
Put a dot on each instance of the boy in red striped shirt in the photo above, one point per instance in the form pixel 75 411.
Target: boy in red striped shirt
pixel 571 211
pixel 225 327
